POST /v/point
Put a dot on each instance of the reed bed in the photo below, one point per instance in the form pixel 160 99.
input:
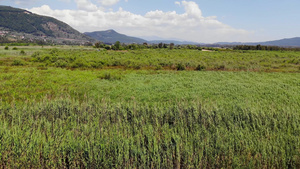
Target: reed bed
pixel 65 133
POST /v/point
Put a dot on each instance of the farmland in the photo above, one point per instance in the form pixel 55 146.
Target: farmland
pixel 80 107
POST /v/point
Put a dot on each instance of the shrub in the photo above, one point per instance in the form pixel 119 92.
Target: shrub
pixel 97 65
pixel 61 63
pixel 134 66
pixel 107 47
pixel 54 52
pixel 80 63
pixel 180 66
pixel 22 52
pixel 110 76
pixel 42 67
pixel 35 54
pixel 14 48
pixel 6 48
pixel 200 67
pixel 219 66
pixel 18 63
pixel 158 67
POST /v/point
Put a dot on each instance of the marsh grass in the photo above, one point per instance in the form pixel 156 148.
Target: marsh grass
pixel 106 113
pixel 274 61
pixel 64 133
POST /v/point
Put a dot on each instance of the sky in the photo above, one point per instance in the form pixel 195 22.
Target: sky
pixel 206 21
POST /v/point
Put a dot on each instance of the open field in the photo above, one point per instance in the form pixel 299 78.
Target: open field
pixel 72 107
pixel 160 59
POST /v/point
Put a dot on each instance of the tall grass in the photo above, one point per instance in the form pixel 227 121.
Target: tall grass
pixel 64 133
pixel 92 109
pixel 183 59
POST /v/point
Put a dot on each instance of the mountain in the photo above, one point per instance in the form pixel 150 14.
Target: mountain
pixel 175 42
pixel 111 36
pixel 288 42
pixel 291 42
pixel 18 24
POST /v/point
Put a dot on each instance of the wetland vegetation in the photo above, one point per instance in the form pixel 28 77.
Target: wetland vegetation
pixel 81 107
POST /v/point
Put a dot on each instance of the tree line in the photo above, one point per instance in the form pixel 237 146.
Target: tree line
pixel 122 46
pixel 261 47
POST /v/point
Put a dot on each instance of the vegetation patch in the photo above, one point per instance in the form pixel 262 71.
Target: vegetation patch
pixel 88 108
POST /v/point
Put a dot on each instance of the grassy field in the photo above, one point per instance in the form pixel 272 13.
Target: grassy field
pixel 73 107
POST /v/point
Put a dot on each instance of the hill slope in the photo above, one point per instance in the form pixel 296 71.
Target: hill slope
pixel 111 36
pixel 293 42
pixel 18 24
pixel 288 42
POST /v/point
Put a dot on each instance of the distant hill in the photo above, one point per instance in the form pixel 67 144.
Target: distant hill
pixel 18 24
pixel 111 36
pixel 175 42
pixel 289 42
pixel 292 42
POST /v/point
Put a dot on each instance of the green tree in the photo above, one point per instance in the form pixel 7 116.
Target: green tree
pixel 160 45
pixel 97 45
pixel 258 47
pixel 117 45
pixel 171 46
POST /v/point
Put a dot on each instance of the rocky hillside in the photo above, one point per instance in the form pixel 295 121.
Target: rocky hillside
pixel 18 24
pixel 111 36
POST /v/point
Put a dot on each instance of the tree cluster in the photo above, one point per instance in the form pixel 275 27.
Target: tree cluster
pixel 122 46
pixel 260 47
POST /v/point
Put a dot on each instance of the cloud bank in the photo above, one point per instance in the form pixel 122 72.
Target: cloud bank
pixel 22 2
pixel 190 25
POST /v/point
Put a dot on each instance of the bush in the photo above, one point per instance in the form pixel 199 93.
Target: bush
pixel 14 48
pixel 54 52
pixel 80 63
pixel 180 67
pixel 158 67
pixel 110 76
pixel 134 66
pixel 18 63
pixel 42 67
pixel 35 54
pixel 200 67
pixel 97 65
pixel 22 52
pixel 61 63
pixel 107 47
pixel 6 48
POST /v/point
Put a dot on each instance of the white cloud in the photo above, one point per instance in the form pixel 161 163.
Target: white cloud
pixel 177 3
pixel 109 2
pixel 23 2
pixel 86 5
pixel 68 1
pixel 192 9
pixel 191 25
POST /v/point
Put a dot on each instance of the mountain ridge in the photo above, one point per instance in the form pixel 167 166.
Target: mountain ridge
pixel 286 42
pixel 111 36
pixel 19 24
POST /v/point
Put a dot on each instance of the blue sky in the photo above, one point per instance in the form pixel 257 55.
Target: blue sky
pixel 205 21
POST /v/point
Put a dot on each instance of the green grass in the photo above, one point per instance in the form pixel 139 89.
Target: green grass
pixel 115 116
pixel 98 134
pixel 152 86
pixel 74 57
